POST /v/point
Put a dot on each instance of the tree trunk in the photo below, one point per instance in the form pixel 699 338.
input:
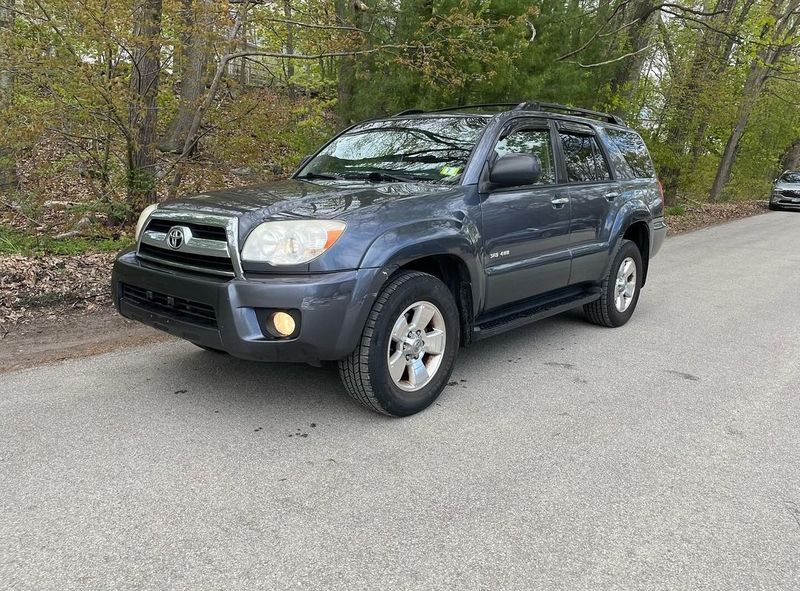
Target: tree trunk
pixel 720 48
pixel 287 13
pixel 347 75
pixel 752 90
pixel 791 160
pixel 193 71
pixel 6 24
pixel 686 128
pixel 142 116
pixel 628 73
pixel 786 23
pixel 202 107
pixel 244 77
pixel 8 166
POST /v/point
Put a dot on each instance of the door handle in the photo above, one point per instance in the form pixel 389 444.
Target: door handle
pixel 612 195
pixel 559 202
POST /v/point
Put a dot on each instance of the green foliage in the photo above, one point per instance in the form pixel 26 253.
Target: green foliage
pixel 15 242
pixel 278 131
pixel 675 210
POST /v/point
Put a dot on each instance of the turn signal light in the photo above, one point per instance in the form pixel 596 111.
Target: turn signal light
pixel 333 236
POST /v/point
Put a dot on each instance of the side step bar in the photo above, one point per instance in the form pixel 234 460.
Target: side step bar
pixel 520 316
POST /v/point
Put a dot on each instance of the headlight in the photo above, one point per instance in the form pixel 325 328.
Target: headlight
pixel 143 218
pixel 291 243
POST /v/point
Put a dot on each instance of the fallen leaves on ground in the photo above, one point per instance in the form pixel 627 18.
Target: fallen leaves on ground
pixel 49 286
pixel 700 215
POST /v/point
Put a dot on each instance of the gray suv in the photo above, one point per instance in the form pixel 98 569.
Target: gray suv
pixel 786 191
pixel 402 240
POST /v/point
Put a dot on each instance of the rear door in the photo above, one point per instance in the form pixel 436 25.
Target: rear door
pixel 526 229
pixel 594 195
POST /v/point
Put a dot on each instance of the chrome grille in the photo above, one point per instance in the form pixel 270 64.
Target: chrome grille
pixel 194 242
pixel 191 261
pixel 198 231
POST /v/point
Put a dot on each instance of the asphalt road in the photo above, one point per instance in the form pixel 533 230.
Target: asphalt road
pixel 662 455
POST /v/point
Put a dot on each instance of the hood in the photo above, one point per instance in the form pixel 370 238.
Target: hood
pixel 299 199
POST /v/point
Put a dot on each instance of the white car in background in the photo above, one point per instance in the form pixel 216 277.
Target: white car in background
pixel 786 191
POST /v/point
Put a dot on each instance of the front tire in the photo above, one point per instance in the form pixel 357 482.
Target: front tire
pixel 773 206
pixel 619 290
pixel 408 347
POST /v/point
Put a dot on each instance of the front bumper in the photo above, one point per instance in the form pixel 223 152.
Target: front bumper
pixel 333 308
pixel 783 201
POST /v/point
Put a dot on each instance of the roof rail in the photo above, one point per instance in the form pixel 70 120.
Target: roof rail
pixel 457 108
pixel 539 106
pixel 526 106
pixel 476 106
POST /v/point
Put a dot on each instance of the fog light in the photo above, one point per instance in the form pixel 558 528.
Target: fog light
pixel 283 324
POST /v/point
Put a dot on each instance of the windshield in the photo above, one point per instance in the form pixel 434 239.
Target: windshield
pixel 791 177
pixel 420 149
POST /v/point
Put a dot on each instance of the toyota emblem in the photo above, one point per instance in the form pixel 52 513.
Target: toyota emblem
pixel 176 237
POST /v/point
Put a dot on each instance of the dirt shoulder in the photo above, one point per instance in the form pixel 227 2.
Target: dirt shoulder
pixel 60 308
pixel 77 334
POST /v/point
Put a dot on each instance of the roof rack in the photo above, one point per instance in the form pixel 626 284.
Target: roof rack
pixel 539 106
pixel 526 106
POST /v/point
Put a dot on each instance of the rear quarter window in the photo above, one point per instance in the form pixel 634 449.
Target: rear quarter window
pixel 583 159
pixel 634 150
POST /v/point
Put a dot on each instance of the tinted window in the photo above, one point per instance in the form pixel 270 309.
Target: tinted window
pixel 583 158
pixel 634 151
pixel 531 141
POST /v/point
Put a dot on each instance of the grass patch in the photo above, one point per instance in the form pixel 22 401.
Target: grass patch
pixel 47 298
pixel 15 242
pixel 675 210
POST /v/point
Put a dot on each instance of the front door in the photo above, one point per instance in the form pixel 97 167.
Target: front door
pixel 526 229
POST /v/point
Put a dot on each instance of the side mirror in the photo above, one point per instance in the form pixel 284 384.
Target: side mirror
pixel 515 170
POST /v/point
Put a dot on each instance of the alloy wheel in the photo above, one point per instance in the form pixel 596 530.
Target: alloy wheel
pixel 416 347
pixel 625 286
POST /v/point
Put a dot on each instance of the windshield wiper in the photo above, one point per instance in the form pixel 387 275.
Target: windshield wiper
pixel 325 177
pixel 381 176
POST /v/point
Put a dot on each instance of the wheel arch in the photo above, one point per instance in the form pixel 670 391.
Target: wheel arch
pixel 638 232
pixel 455 274
pixel 632 223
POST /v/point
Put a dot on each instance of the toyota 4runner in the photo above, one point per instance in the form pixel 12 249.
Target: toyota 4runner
pixel 403 239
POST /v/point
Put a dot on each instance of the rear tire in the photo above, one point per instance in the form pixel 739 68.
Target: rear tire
pixel 408 347
pixel 619 290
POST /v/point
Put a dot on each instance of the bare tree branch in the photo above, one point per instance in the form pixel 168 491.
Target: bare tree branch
pixel 315 56
pixel 644 16
pixel 616 59
pixel 305 25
